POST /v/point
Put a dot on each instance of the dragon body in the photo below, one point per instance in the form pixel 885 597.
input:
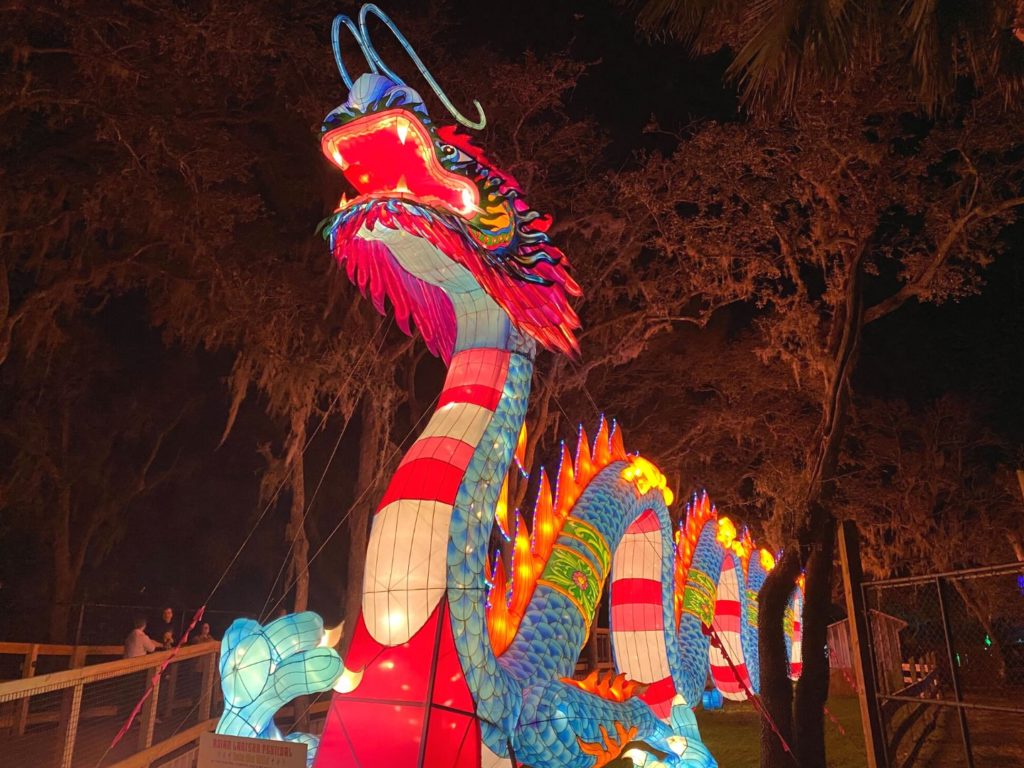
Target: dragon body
pixel 456 660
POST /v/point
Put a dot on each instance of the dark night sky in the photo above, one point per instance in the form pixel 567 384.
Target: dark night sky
pixel 973 347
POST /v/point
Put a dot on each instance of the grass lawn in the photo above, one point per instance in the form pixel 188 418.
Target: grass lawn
pixel 733 734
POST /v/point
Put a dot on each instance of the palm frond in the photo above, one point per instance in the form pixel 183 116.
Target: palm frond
pixel 788 46
pixel 795 42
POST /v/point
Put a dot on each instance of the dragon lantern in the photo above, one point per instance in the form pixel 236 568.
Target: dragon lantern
pixel 456 662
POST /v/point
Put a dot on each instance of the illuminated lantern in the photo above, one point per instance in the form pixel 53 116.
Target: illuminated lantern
pixel 459 658
pixel 262 668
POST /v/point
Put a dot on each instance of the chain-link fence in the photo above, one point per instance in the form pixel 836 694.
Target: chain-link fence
pixel 948 656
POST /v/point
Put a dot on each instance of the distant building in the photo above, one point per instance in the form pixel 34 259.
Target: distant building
pixel 887 649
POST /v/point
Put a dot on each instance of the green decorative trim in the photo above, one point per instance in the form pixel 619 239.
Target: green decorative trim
pixel 571 574
pixel 699 596
pixel 592 539
pixel 752 608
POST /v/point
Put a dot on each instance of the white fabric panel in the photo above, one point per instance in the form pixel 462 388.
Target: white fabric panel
pixel 463 421
pixel 638 556
pixel 641 655
pixel 728 589
pixel 405 574
pixel 490 760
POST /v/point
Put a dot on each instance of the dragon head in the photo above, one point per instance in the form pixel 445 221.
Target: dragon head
pixel 433 218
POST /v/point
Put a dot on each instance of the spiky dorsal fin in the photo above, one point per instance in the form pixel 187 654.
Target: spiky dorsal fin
pixel 609 686
pixel 566 489
pixel 584 465
pixel 531 549
pixel 545 530
pixel 616 444
pixel 499 619
pixel 602 452
pixel 699 512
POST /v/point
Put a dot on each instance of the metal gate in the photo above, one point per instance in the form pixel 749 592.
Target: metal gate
pixel 949 685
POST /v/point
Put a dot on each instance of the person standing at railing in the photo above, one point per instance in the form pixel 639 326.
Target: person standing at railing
pixel 203 636
pixel 166 629
pixel 138 643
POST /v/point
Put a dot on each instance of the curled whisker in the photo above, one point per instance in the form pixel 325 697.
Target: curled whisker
pixel 375 59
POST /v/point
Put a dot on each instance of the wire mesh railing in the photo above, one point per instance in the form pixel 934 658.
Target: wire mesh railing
pixel 948 657
pixel 71 718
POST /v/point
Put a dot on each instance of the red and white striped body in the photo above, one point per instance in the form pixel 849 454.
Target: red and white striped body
pixel 727 622
pixel 796 664
pixel 637 615
pixel 405 575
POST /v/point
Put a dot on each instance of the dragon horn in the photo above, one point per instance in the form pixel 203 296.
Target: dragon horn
pixel 336 46
pixel 375 58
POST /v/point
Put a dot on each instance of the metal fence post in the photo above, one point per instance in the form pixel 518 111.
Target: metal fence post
pixel 954 671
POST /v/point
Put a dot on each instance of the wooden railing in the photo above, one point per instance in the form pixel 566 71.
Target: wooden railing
pixel 59 698
pixel 30 654
pixel 43 715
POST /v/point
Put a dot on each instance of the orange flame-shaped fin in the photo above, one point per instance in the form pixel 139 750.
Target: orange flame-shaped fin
pixel 501 509
pixel 602 453
pixel 699 512
pixel 532 548
pixel 520 452
pixel 611 686
pixel 609 747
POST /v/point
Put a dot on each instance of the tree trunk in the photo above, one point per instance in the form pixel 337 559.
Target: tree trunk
pixel 776 688
pixel 373 441
pixel 65 576
pixel 812 687
pixel 297 539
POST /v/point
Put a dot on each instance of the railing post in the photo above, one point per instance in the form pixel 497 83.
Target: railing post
pixel 208 665
pixel 70 710
pixel 172 688
pixel 954 671
pixel 28 669
pixel 147 719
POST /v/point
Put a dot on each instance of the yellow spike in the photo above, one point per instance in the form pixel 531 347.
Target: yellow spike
pixel 602 454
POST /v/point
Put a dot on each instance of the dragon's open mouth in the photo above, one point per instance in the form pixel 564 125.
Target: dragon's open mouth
pixel 389 155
